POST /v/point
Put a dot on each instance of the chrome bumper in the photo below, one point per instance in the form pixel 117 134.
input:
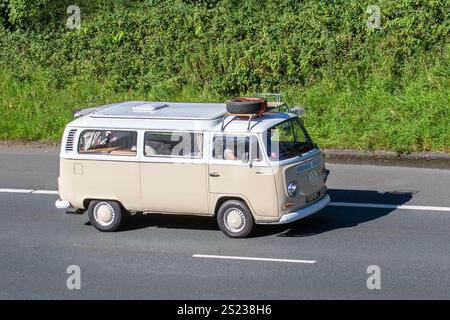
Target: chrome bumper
pixel 302 213
pixel 61 204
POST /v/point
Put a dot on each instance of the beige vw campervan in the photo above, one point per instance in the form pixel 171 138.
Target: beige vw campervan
pixel 260 167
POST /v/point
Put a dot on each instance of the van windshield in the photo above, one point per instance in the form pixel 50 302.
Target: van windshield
pixel 288 139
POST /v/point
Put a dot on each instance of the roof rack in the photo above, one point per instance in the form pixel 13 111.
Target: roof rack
pixel 280 106
pixel 275 105
pixel 234 115
pixel 271 105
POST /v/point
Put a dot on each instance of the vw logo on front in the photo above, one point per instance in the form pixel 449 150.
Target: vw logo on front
pixel 313 177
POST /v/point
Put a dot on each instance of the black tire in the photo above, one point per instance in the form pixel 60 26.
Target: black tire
pixel 240 209
pixel 243 107
pixel 117 215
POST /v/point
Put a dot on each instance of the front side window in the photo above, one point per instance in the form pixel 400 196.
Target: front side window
pixel 236 148
pixel 108 142
pixel 173 144
pixel 288 139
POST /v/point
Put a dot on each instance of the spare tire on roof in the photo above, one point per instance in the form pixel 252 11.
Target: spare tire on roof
pixel 246 105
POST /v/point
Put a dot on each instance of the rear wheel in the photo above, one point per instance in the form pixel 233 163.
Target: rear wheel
pixel 235 219
pixel 105 216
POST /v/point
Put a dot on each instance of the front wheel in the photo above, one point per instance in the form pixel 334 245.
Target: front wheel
pixel 105 216
pixel 235 219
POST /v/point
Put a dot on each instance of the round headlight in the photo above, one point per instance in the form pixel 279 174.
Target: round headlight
pixel 292 189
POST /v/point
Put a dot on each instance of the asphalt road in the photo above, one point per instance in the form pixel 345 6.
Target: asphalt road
pixel 153 257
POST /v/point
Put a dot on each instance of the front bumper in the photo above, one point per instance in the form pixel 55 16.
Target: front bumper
pixel 302 213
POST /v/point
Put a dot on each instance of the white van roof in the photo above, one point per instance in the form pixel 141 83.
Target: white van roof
pixel 162 110
pixel 173 116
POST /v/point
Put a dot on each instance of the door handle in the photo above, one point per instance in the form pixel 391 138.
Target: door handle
pixel 214 174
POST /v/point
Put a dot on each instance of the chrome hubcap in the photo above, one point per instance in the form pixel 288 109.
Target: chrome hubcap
pixel 234 220
pixel 104 214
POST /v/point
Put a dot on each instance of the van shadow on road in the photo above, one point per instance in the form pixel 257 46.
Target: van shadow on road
pixel 328 219
pixel 332 218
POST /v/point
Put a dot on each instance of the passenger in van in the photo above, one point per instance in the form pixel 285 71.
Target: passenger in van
pixel 228 154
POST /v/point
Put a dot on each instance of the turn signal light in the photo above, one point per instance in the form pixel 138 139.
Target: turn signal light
pixel 287 205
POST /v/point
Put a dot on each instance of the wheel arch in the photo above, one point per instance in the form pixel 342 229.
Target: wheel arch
pixel 222 199
pixel 87 201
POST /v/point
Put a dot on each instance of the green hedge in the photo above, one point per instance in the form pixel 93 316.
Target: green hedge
pixel 363 88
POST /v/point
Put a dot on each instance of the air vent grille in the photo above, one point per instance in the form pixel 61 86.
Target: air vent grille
pixel 70 140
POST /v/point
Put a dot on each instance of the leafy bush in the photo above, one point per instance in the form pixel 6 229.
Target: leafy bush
pixel 364 88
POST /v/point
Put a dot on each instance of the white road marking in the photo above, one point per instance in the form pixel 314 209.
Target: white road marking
pixel 333 204
pixel 45 192
pixel 387 206
pixel 208 256
pixel 16 190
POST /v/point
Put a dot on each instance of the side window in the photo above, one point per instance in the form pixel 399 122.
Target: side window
pixel 108 142
pixel 173 144
pixel 235 147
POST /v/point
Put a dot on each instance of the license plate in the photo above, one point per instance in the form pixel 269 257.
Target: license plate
pixel 312 197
